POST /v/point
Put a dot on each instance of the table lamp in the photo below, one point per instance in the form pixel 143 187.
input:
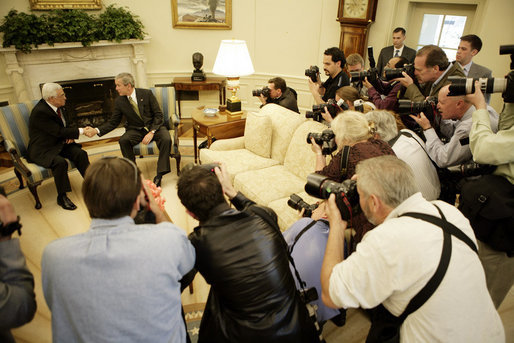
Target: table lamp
pixel 233 61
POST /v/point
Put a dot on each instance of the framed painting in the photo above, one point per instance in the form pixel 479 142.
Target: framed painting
pixel 65 4
pixel 202 14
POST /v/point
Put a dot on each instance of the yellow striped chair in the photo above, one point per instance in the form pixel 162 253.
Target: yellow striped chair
pixel 166 99
pixel 14 126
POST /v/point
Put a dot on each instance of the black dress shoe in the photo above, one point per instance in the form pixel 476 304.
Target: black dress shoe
pixel 157 180
pixel 65 202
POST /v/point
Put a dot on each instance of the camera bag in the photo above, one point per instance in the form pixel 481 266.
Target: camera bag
pixel 385 327
pixel 488 203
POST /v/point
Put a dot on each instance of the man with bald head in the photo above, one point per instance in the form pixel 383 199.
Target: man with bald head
pixel 455 127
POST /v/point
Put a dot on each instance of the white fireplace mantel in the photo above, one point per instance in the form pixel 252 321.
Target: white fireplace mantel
pixel 72 61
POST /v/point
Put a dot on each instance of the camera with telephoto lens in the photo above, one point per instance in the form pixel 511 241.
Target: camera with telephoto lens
pixel 371 73
pixel 265 91
pixel 331 105
pixel 347 198
pixel 297 203
pixel 466 85
pixel 312 72
pixel 395 73
pixel 427 106
pixel 326 139
pixel 508 95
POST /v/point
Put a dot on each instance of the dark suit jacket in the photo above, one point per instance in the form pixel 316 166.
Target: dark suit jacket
pixel 47 134
pixel 151 113
pixel 415 93
pixel 387 53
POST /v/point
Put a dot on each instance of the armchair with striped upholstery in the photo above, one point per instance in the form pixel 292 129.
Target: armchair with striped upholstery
pixel 166 99
pixel 14 126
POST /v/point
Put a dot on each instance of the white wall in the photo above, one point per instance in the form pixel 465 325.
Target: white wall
pixel 284 37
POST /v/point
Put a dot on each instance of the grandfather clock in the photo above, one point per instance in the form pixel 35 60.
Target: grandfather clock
pixel 355 17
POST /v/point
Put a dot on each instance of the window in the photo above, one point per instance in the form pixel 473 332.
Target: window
pixel 442 30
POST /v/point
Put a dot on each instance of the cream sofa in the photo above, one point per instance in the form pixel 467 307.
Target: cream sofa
pixel 271 161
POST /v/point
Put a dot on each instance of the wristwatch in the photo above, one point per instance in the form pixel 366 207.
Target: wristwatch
pixel 7 230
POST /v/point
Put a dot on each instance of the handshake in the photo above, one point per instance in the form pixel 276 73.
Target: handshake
pixel 89 131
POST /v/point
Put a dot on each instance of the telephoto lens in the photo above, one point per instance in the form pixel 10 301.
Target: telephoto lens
pixel 466 85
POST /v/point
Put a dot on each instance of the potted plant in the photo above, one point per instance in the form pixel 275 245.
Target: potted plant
pixel 27 31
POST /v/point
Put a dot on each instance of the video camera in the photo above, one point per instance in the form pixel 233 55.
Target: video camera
pixel 265 91
pixel 347 198
pixel 395 73
pixel 327 140
pixel 332 106
pixel 312 72
pixel 371 73
pixel 297 203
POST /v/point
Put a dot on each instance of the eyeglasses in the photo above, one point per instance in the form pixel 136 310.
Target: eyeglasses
pixel 132 164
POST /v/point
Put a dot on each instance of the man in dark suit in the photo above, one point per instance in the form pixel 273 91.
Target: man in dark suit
pixel 145 122
pixel 395 50
pixel 51 142
pixel 469 47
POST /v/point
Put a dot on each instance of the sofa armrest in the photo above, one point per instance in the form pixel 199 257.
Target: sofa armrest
pixel 228 144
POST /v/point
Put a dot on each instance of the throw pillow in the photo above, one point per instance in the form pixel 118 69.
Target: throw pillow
pixel 258 134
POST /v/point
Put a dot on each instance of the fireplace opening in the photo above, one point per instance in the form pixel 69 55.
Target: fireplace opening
pixel 89 102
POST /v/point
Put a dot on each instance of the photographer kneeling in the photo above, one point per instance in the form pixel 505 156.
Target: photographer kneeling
pixel 399 257
pixel 278 93
pixel 355 142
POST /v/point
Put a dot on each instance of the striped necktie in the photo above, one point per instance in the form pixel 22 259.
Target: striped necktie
pixel 397 53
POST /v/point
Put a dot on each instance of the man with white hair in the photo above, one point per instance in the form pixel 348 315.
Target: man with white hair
pixel 394 262
pixel 456 112
pixel 51 141
pixel 409 148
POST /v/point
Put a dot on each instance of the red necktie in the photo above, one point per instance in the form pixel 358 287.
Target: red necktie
pixel 59 113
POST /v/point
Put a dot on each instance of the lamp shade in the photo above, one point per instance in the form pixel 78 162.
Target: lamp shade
pixel 233 59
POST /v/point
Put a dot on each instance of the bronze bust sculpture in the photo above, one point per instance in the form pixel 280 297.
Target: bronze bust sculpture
pixel 198 74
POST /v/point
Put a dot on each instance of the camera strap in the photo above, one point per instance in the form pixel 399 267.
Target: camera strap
pixel 344 161
pixel 307 227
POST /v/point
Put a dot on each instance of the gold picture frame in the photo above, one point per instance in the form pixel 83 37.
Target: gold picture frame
pixel 65 4
pixel 188 14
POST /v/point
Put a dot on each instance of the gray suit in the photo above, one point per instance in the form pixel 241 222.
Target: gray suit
pixel 477 71
pixel 387 53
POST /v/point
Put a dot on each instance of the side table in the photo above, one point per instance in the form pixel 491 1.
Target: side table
pixel 211 83
pixel 220 126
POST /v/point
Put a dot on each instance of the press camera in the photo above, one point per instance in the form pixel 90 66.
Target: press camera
pixel 265 91
pixel 427 106
pixel 347 198
pixel 312 72
pixel 331 105
pixel 371 73
pixel 395 73
pixel 466 85
pixel 326 139
pixel 297 203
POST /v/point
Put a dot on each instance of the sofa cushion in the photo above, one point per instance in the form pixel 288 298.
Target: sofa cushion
pixel 300 159
pixel 237 161
pixel 258 134
pixel 284 123
pixel 268 184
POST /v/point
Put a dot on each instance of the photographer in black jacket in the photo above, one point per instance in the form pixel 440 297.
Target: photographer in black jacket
pixel 333 63
pixel 279 94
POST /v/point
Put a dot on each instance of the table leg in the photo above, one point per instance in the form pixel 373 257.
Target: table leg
pixel 221 92
pixel 177 95
pixel 195 145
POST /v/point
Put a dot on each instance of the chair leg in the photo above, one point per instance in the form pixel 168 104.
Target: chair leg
pixel 20 178
pixel 33 190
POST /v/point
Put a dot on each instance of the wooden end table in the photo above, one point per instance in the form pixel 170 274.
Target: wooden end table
pixel 211 83
pixel 221 126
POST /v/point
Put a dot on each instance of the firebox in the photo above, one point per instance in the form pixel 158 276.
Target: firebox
pixel 89 102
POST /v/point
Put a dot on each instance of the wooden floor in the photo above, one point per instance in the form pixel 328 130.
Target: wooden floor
pixel 50 222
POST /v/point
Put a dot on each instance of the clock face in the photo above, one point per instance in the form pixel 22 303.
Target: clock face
pixel 355 9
